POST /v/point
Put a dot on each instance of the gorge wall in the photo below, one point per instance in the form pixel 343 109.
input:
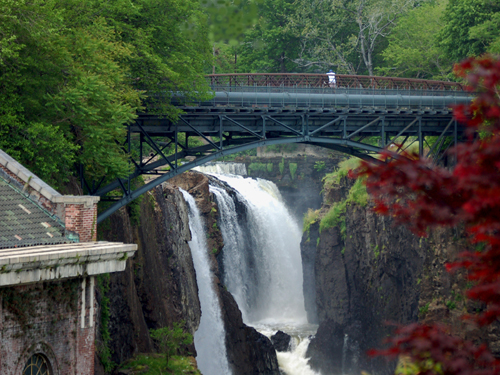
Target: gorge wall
pixel 366 272
pixel 159 285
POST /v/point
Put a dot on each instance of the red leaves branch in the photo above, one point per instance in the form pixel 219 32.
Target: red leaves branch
pixel 447 355
pixel 421 195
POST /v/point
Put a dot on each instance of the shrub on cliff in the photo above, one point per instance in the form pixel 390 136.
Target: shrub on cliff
pixel 169 340
pixel 422 195
pixel 357 195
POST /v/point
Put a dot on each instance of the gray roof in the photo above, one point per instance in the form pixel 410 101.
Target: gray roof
pixel 23 222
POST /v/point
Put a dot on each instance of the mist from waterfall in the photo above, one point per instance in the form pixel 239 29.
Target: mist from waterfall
pixel 209 339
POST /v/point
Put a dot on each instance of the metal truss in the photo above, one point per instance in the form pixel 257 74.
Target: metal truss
pixel 358 132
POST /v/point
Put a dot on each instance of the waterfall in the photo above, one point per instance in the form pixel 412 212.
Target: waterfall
pixel 209 339
pixel 233 258
pixel 223 168
pixel 344 353
pixel 295 362
pixel 262 263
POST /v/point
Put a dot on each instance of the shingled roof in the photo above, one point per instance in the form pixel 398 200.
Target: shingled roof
pixel 23 222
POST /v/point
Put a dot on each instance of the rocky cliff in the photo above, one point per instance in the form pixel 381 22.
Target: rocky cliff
pixel 159 284
pixel 248 351
pixel 365 272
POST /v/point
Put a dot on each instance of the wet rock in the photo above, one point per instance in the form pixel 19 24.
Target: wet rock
pixel 281 341
pixel 364 277
pixel 249 352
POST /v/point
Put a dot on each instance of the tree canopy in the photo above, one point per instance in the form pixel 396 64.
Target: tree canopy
pixel 413 49
pixel 74 73
pixel 409 38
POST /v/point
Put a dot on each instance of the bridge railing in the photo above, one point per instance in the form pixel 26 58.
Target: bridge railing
pixel 321 81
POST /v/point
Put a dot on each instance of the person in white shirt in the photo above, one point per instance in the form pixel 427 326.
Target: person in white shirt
pixel 332 82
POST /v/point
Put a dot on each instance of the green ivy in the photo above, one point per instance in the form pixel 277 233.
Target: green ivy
pixel 282 166
pixel 256 167
pixel 293 169
pixel 103 350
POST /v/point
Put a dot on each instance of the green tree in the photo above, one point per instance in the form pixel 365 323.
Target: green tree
pixel 169 340
pixel 346 34
pixel 74 73
pixel 270 45
pixel 225 58
pixel 63 95
pixel 413 49
pixel 488 33
pixel 471 27
pixel 327 37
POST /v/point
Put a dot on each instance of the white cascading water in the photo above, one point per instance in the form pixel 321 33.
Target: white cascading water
pixel 273 258
pixel 209 339
pixel 263 265
pixel 344 352
pixel 223 168
pixel 295 361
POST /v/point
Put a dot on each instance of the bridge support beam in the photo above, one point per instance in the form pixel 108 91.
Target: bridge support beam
pixel 162 155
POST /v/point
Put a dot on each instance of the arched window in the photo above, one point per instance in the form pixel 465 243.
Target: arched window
pixel 37 365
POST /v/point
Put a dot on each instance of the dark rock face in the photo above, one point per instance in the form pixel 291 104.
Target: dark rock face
pixel 248 351
pixel 308 253
pixel 281 341
pixel 378 272
pixel 362 281
pixel 158 286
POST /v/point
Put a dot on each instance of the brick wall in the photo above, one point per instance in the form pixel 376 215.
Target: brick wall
pixel 45 318
pixel 82 220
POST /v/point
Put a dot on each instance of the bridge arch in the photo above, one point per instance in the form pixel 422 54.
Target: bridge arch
pixel 348 147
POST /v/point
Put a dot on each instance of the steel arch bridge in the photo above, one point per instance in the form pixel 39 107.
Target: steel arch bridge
pixel 254 110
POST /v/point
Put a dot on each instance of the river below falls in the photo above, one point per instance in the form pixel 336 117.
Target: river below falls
pixel 294 361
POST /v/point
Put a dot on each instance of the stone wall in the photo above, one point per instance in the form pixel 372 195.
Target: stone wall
pixel 46 318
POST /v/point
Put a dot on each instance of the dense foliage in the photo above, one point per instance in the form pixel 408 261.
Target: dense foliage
pixel 408 38
pixel 74 72
pixel 421 195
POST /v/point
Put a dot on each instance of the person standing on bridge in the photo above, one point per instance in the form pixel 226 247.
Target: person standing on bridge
pixel 332 82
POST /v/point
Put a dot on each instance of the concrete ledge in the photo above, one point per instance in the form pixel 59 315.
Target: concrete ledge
pixel 42 263
pixel 87 200
pixel 35 182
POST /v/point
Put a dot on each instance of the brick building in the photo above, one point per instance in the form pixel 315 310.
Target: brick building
pixel 49 261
